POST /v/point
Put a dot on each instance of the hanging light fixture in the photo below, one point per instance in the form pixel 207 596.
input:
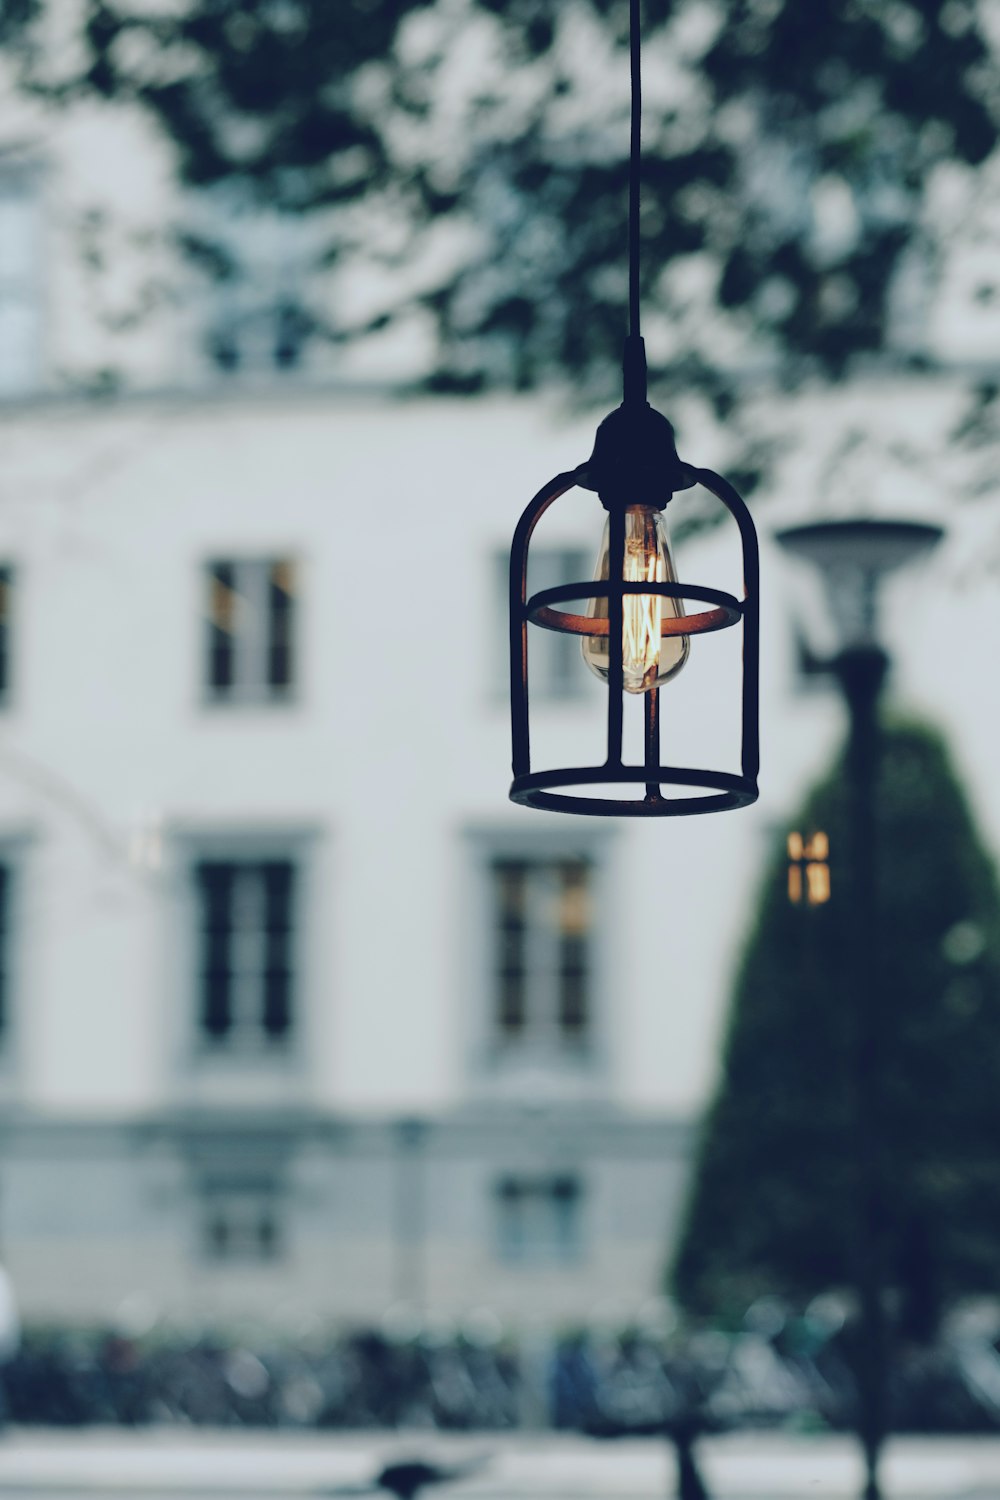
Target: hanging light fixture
pixel 636 632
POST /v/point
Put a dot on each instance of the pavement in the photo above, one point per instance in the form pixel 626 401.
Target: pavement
pixel 165 1464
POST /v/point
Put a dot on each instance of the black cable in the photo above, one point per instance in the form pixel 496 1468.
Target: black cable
pixel 634 363
pixel 635 155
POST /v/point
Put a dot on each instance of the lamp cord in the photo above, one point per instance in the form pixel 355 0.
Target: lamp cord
pixel 634 364
pixel 635 154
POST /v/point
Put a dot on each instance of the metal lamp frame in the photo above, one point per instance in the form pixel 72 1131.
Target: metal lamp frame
pixel 614 477
pixel 634 463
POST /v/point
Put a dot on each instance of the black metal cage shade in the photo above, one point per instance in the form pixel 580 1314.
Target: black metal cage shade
pixel 719 790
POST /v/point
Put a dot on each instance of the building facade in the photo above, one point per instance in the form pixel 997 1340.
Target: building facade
pixel 299 1017
pixel 296 1005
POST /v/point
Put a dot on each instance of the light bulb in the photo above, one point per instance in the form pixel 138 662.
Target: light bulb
pixel 649 658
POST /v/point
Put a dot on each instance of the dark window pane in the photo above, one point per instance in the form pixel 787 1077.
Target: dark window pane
pixel 281 620
pixel 215 882
pixel 574 917
pixel 510 895
pixel 6 589
pixel 222 627
pixel 278 877
pixel 277 1002
pixel 279 949
pixel 221 668
pixel 573 1003
pixel 512 1009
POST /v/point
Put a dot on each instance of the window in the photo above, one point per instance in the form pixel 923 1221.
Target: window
pixel 6 600
pixel 261 272
pixel 240 1220
pixel 250 649
pixel 20 291
pixel 260 336
pixel 542 952
pixel 538 1219
pixel 556 667
pixel 808 869
pixel 246 910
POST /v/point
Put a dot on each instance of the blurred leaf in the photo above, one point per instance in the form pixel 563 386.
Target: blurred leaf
pixel 509 119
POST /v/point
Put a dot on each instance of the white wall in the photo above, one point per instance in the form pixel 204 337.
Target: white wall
pixel 396 744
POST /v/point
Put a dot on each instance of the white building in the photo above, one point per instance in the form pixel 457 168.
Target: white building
pixel 299 1014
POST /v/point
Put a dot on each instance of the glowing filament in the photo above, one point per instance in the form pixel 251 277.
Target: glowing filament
pixel 641 614
pixel 649 658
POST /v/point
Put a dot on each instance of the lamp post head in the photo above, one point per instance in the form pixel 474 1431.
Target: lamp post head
pixel 853 557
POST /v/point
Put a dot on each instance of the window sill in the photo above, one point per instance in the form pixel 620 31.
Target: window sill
pixel 540 1263
pixel 244 1054
pixel 504 1077
pixel 249 699
pixel 242 1081
pixel 239 1263
pixel 570 1058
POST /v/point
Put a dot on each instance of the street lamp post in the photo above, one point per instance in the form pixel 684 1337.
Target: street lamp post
pixel 853 557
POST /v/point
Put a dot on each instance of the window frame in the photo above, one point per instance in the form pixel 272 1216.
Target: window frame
pixel 566 1245
pixel 272 258
pixel 543 970
pixel 565 689
pixel 247 1027
pixel 575 1071
pixel 246 690
pixel 198 1062
pixel 261 1194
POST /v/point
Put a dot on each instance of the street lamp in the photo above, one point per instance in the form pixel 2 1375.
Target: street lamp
pixel 853 558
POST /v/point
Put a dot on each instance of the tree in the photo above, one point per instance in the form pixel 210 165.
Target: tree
pixel 773 1206
pixel 789 153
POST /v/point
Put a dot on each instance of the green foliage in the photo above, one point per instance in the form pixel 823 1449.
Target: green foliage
pixel 773 1200
pixel 861 101
pixel 313 105
pixel 260 94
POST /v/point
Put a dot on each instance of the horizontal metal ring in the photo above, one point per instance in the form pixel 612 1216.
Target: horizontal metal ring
pixel 728 791
pixel 728 610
